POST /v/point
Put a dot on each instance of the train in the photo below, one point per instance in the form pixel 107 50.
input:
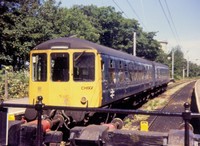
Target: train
pixel 74 72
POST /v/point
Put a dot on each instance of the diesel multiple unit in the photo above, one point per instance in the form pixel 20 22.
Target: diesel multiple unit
pixel 78 73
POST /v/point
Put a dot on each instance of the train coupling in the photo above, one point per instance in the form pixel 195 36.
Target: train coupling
pixel 94 135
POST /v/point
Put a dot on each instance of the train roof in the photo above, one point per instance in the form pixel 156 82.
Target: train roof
pixel 77 43
pixel 160 65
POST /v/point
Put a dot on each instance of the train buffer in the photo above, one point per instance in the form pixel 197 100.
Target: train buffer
pixel 99 135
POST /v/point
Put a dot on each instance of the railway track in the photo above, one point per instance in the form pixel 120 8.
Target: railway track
pixel 175 104
pixel 170 101
pixel 171 86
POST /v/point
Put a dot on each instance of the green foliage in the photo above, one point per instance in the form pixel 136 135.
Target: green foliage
pixel 117 32
pixel 76 23
pixel 105 20
pixel 25 24
pixel 194 70
pixel 163 58
pixel 28 23
pixel 17 83
pixel 17 22
pixel 179 62
pixel 147 46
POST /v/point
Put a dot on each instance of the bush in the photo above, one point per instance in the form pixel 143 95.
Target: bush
pixel 17 83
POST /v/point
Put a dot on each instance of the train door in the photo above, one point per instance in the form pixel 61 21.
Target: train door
pixel 50 77
pixel 105 83
pixel 38 85
pixel 59 84
pixel 86 81
pixel 109 79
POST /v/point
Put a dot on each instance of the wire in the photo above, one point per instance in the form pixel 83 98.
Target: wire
pixel 168 21
pixel 133 9
pixel 170 16
pixel 120 9
pixel 135 13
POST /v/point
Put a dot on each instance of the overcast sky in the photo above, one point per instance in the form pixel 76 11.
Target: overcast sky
pixel 179 24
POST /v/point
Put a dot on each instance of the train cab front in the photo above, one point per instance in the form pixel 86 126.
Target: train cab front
pixel 65 77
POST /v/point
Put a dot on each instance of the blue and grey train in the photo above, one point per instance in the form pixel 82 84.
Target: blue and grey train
pixel 75 72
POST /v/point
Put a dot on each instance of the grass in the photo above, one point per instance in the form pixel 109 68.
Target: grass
pixel 132 122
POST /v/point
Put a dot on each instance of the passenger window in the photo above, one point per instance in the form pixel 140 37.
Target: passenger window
pixel 127 73
pixel 120 65
pixel 111 71
pixel 111 65
pixel 121 76
pixel 60 67
pixel 103 70
pixel 39 67
pixel 84 66
pixel 112 78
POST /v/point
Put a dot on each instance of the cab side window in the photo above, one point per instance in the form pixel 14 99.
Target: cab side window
pixel 83 66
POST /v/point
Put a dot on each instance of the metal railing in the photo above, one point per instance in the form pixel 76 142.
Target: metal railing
pixel 187 115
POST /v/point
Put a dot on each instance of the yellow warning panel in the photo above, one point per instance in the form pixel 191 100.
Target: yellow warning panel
pixel 11 117
pixel 144 126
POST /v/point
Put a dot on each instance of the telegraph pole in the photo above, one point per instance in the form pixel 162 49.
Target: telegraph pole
pixel 172 64
pixel 134 43
pixel 6 84
pixel 188 63
pixel 183 73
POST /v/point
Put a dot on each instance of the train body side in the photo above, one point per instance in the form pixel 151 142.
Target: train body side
pixel 161 75
pixel 123 77
pixel 116 75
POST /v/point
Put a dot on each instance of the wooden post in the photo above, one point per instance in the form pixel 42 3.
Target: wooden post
pixel 6 84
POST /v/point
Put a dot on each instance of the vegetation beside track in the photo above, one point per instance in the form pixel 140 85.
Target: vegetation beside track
pixel 132 122
pixel 13 84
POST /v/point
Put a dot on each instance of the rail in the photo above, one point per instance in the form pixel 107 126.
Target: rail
pixel 197 94
pixel 39 106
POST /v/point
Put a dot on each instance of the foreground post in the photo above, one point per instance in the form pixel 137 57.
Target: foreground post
pixel 39 108
pixel 187 118
pixel 3 126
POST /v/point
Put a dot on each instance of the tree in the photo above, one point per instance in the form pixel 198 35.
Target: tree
pixel 15 36
pixel 107 22
pixel 194 70
pixel 117 32
pixel 179 62
pixel 163 58
pixel 24 24
pixel 28 23
pixel 76 23
pixel 148 47
pixel 7 21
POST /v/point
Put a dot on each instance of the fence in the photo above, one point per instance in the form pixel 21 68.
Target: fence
pixel 39 106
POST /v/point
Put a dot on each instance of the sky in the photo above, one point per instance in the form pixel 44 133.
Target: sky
pixel 175 21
